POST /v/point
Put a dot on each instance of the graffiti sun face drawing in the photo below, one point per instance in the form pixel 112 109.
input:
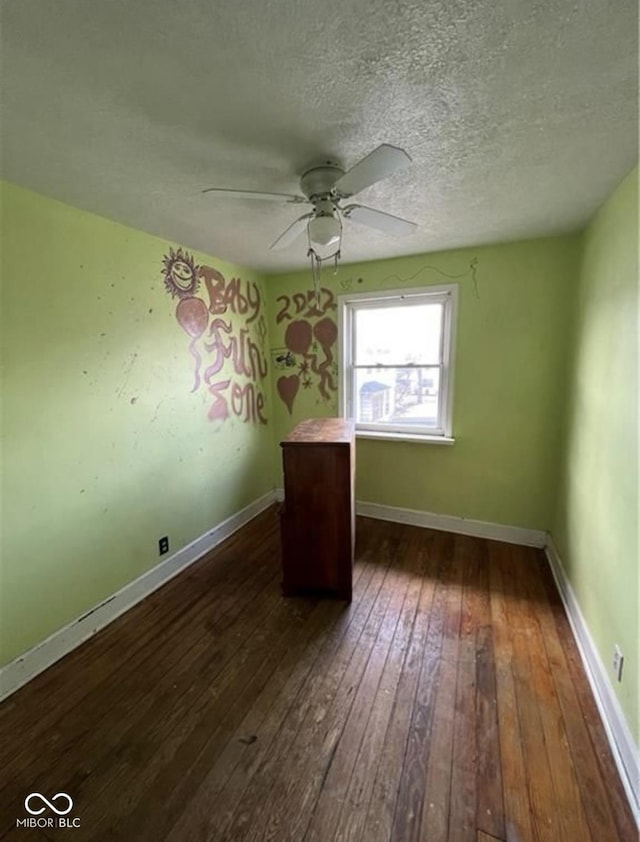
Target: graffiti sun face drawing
pixel 180 273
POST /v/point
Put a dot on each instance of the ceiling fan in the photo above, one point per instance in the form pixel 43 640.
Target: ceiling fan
pixel 325 188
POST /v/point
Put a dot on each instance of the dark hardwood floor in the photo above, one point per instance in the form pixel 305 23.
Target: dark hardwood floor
pixel 447 702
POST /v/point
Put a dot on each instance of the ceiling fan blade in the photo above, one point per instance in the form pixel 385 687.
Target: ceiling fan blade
pixel 377 165
pixel 256 194
pixel 291 233
pixel 377 219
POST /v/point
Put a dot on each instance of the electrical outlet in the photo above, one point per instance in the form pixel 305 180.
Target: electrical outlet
pixel 163 545
pixel 618 661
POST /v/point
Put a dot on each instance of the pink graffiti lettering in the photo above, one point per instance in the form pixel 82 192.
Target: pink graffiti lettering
pixel 221 339
pixel 245 399
pixel 305 305
pixel 253 297
pixel 219 409
pixel 247 357
pixel 217 347
pixel 215 283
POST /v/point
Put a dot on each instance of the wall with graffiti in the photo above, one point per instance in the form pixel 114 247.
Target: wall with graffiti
pixel 227 332
pixel 305 324
pixel 303 335
pixel 144 418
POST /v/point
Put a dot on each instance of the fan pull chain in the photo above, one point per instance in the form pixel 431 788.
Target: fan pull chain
pixel 316 269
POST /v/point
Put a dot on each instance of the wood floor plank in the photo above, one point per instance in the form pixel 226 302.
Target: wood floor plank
pixel 437 791
pixel 446 702
pixel 321 787
pixel 489 783
pixel 569 814
pixel 540 787
pixel 184 749
pixel 282 774
pixel 355 803
pixel 28 834
pixel 595 807
pixel 255 736
pixel 407 815
pixel 517 812
pixel 238 801
pixel 143 754
pixel 462 803
pixel 288 680
pixel 379 819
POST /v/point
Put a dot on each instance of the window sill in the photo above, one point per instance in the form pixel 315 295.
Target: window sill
pixel 414 437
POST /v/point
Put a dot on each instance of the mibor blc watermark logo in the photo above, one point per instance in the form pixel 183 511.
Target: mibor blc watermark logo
pixel 40 809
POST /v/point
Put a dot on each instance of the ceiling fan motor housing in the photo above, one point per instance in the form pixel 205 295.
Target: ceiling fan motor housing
pixel 318 182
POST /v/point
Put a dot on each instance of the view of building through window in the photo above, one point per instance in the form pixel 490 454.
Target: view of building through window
pixel 397 358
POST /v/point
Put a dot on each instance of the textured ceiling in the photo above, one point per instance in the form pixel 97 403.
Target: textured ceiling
pixel 520 115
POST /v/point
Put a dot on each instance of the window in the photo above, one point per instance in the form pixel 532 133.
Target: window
pixel 396 351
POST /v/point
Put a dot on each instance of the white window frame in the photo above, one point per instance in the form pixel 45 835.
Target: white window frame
pixel 348 304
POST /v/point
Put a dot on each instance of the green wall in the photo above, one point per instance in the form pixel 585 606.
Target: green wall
pixel 512 343
pixel 596 524
pixel 105 446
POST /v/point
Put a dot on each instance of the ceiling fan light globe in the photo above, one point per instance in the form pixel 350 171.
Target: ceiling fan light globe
pixel 324 230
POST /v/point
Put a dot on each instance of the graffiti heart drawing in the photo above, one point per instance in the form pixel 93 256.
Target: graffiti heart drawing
pixel 288 389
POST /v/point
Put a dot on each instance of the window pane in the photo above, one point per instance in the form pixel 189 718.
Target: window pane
pixel 406 396
pixel 397 335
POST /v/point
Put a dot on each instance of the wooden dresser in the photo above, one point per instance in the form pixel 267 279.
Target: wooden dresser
pixel 318 520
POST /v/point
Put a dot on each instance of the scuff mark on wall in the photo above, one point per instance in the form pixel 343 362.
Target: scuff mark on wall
pixel 127 372
pixel 156 411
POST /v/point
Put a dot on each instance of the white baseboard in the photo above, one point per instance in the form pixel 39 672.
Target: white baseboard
pixel 448 523
pixel 452 523
pixel 623 746
pixel 25 667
